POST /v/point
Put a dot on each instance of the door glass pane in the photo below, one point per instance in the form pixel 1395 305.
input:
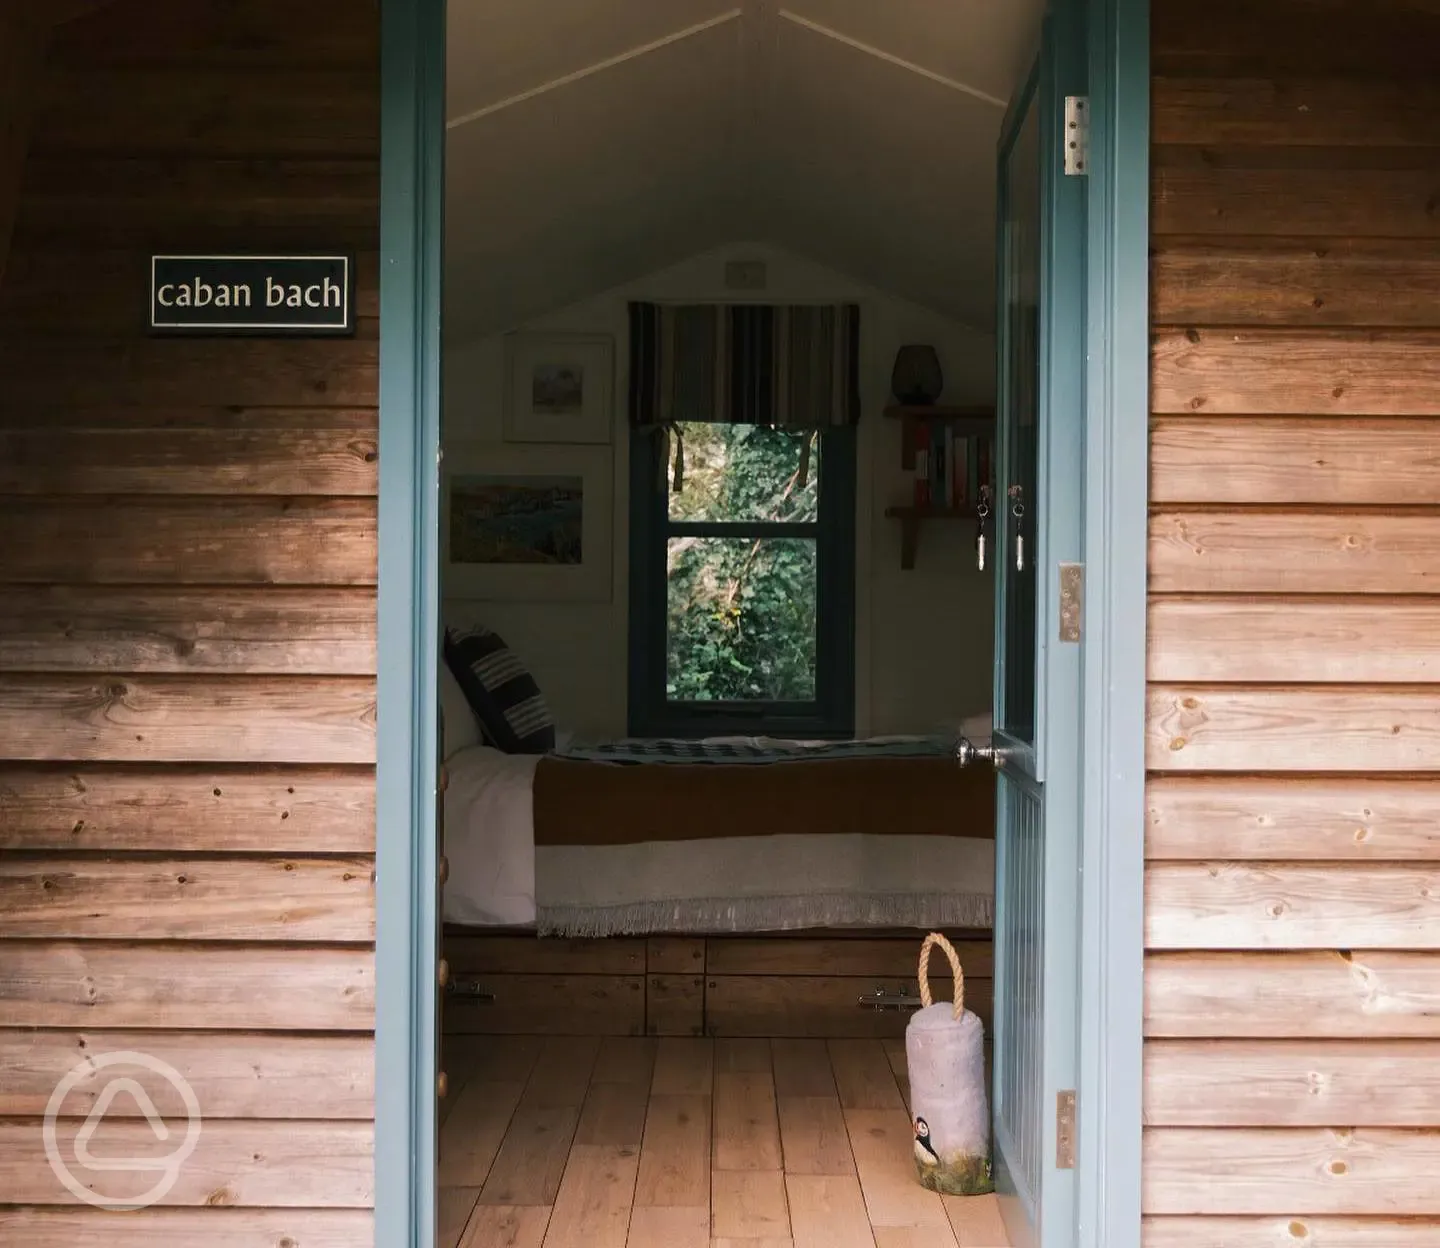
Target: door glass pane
pixel 1022 388
pixel 740 619
pixel 744 472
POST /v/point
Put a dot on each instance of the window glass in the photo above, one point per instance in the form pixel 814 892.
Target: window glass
pixel 740 619
pixel 745 472
pixel 1016 505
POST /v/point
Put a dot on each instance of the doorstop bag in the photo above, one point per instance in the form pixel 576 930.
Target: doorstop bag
pixel 945 1052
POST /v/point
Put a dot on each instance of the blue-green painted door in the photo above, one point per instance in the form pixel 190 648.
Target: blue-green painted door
pixel 1041 327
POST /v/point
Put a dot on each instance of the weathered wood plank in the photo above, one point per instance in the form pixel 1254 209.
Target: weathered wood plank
pixel 1286 1231
pixel 179 109
pixel 1317 372
pixel 1292 728
pixel 1294 36
pixel 1280 639
pixel 1322 111
pixel 552 1005
pixel 1295 282
pixel 361 420
pixel 816 1005
pixel 167 205
pixel 1199 191
pixel 744 955
pixel 232 1076
pixel 1373 1170
pixel 486 955
pixel 215 1228
pixel 39 297
pixel 86 808
pixel 238 1163
pixel 259 34
pixel 1303 995
pixel 178 372
pixel 186 985
pixel 299 632
pixel 250 899
pixel 1291 1083
pixel 23 41
pixel 1279 817
pixel 246 541
pixel 1279 905
pixel 1291 552
pixel 1283 459
pixel 189 461
pixel 188 719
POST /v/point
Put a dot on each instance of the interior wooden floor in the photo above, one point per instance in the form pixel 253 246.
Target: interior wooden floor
pixel 584 1142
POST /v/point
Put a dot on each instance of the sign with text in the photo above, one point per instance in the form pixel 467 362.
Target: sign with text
pixel 275 295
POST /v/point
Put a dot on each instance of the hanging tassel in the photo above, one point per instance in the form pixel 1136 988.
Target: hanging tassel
pixel 803 476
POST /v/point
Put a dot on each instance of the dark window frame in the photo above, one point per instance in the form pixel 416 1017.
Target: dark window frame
pixel 832 713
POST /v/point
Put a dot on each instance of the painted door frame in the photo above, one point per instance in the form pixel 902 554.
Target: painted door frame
pixel 1115 508
pixel 412 156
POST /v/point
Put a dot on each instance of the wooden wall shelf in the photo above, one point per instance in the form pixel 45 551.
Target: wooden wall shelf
pixel 964 420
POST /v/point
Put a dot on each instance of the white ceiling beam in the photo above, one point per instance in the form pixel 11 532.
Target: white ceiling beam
pixel 631 54
pixel 890 59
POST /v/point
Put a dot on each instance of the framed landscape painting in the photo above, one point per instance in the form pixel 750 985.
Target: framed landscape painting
pixel 527 523
pixel 559 388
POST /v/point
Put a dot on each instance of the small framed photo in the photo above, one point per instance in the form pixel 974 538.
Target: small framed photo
pixel 559 387
pixel 527 524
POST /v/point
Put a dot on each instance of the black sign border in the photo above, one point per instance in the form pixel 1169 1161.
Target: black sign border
pixel 212 330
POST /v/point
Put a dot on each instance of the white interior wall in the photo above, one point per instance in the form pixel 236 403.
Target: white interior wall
pixel 923 637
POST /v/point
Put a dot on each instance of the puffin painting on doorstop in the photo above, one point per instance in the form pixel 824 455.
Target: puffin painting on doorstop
pixel 945 1055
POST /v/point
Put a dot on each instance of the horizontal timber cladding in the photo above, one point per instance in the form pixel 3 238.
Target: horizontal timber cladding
pixel 1291 1083
pixel 1292 898
pixel 279 1164
pixel 187 651
pixel 298 1076
pixel 155 540
pixel 1287 1232
pixel 37 300
pixel 214 1227
pixel 184 984
pixel 68 808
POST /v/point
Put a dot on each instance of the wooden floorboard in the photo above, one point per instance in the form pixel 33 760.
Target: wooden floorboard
pixel 634 1142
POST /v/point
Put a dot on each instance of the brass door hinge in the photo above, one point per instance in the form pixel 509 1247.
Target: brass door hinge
pixel 1065 1130
pixel 1072 601
pixel 1076 137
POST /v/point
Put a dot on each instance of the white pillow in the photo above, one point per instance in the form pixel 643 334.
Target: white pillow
pixel 462 729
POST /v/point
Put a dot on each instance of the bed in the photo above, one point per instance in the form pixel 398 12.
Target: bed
pixel 723 836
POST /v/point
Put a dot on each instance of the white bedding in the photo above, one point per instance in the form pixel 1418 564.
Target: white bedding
pixel 490 838
pixel 742 883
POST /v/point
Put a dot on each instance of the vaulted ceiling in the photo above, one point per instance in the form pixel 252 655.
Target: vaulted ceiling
pixel 593 141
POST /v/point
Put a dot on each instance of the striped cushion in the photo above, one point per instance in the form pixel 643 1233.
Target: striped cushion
pixel 512 712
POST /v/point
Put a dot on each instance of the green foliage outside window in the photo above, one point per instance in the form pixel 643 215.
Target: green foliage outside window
pixel 740 609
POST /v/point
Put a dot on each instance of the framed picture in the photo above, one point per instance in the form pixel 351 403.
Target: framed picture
pixel 559 388
pixel 527 523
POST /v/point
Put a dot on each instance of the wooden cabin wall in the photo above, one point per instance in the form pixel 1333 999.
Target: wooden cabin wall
pixel 1292 1015
pixel 187 636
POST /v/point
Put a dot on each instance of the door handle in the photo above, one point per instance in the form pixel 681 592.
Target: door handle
pixel 967 754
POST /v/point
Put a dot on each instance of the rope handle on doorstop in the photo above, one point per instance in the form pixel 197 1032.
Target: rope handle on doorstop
pixel 931 941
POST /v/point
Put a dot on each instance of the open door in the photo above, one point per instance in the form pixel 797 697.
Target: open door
pixel 1035 746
